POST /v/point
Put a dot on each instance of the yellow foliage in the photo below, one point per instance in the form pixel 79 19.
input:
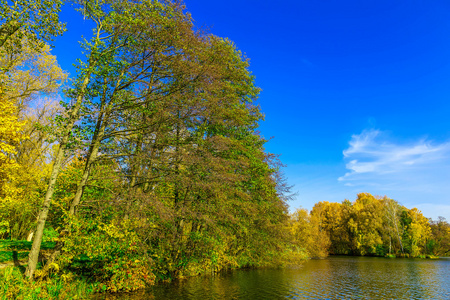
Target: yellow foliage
pixel 29 73
pixel 10 134
pixel 308 233
pixel 24 151
pixel 20 180
pixel 419 230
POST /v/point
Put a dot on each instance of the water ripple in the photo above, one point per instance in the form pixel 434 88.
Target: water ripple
pixel 331 278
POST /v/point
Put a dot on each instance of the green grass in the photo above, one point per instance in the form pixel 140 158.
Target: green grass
pixel 6 256
pixel 13 245
pixel 13 285
pixel 11 250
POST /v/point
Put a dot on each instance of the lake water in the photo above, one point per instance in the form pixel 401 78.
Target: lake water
pixel 331 278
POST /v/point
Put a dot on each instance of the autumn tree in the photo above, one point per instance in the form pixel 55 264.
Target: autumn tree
pixel 167 159
pixel 32 75
pixel 392 211
pixel 333 218
pixel 366 224
pixel 439 242
pixel 105 41
pixel 27 69
pixel 10 134
pixel 309 234
pixel 417 232
pixel 186 144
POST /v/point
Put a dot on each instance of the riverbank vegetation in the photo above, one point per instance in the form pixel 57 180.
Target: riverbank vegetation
pixel 146 165
pixel 376 226
pixel 150 166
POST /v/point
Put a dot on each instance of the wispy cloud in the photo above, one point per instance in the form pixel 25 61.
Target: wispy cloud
pixel 416 173
pixel 372 153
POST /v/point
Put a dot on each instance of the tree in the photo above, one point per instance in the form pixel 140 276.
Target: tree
pixel 103 43
pixel 26 69
pixel 439 243
pixel 333 219
pixel 309 234
pixel 10 134
pixel 30 74
pixel 33 20
pixel 366 223
pixel 418 232
pixel 136 78
pixel 392 212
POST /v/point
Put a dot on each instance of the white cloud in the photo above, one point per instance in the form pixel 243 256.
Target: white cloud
pixel 372 153
pixel 415 173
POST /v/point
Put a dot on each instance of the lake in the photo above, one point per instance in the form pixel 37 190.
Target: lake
pixel 331 278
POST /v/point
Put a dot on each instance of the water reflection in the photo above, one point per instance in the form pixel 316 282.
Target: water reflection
pixel 331 278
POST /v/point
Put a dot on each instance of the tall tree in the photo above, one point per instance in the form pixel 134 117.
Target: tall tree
pixel 26 69
pixel 392 212
pixel 99 49
pixel 138 77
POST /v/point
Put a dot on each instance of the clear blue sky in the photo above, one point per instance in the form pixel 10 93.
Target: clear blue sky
pixel 355 93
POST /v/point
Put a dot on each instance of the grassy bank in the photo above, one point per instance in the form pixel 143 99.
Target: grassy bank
pixel 13 285
pixel 83 277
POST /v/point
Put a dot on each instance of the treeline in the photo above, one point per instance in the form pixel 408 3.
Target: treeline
pixel 151 167
pixel 376 226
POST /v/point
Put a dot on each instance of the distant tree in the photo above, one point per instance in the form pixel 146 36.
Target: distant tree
pixel 366 224
pixel 392 212
pixel 439 242
pixel 418 231
pixel 333 219
pixel 309 234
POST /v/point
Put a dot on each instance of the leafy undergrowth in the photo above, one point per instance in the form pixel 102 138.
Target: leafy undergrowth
pixel 13 285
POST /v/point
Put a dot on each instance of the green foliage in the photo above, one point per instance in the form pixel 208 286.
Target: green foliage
pixel 11 250
pixel 14 245
pixel 108 253
pixel 36 21
pixel 439 243
pixel 165 175
pixel 13 285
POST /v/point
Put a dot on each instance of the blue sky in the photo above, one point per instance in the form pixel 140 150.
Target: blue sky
pixel 355 93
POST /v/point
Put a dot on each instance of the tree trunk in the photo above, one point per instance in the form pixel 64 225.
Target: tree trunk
pixel 93 152
pixel 99 133
pixel 36 247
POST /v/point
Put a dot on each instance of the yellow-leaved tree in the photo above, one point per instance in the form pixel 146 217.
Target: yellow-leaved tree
pixel 309 234
pixel 27 74
pixel 10 135
pixel 418 231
